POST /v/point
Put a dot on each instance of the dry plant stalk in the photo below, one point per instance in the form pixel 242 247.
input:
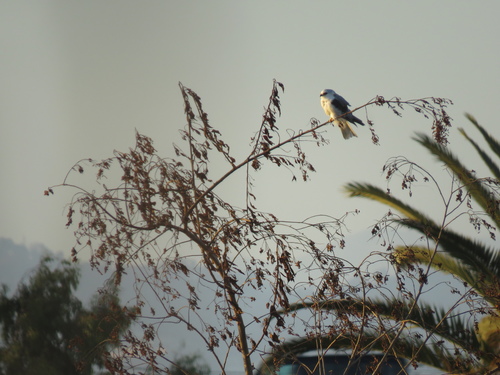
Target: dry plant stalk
pixel 162 221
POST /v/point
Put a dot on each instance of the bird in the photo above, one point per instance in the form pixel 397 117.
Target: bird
pixel 335 106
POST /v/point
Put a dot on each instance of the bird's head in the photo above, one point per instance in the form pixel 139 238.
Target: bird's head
pixel 327 93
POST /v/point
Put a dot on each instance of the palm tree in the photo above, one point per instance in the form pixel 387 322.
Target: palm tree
pixel 448 340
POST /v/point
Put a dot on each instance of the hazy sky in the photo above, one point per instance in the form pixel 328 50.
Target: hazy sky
pixel 78 77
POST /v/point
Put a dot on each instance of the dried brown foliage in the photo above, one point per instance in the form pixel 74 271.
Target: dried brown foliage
pixel 163 221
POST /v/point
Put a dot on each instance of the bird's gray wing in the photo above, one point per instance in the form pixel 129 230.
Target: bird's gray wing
pixel 340 103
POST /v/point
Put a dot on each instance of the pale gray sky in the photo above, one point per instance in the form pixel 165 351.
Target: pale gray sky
pixel 78 77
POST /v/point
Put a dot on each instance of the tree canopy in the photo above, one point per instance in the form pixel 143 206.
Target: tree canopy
pixel 47 330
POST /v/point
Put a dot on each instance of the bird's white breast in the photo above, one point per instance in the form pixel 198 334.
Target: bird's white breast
pixel 329 109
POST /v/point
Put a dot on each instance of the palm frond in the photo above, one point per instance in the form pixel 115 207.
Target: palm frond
pixel 415 349
pixel 493 167
pixel 475 256
pixel 473 253
pixel 453 328
pixel 492 142
pixel 437 260
pixel 372 192
pixel 481 194
pixel 448 326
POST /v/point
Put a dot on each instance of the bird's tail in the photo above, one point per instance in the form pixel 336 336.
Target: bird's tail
pixel 351 118
pixel 347 130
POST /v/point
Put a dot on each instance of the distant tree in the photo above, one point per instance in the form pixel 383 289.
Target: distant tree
pixel 189 364
pixel 46 330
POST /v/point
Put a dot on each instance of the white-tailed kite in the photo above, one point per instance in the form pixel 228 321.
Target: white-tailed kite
pixel 335 106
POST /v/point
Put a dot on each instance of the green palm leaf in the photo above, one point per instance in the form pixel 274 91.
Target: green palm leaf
pixel 475 257
pixel 431 353
pixel 377 194
pixel 437 322
pixel 492 142
pixel 481 194
pixel 486 158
